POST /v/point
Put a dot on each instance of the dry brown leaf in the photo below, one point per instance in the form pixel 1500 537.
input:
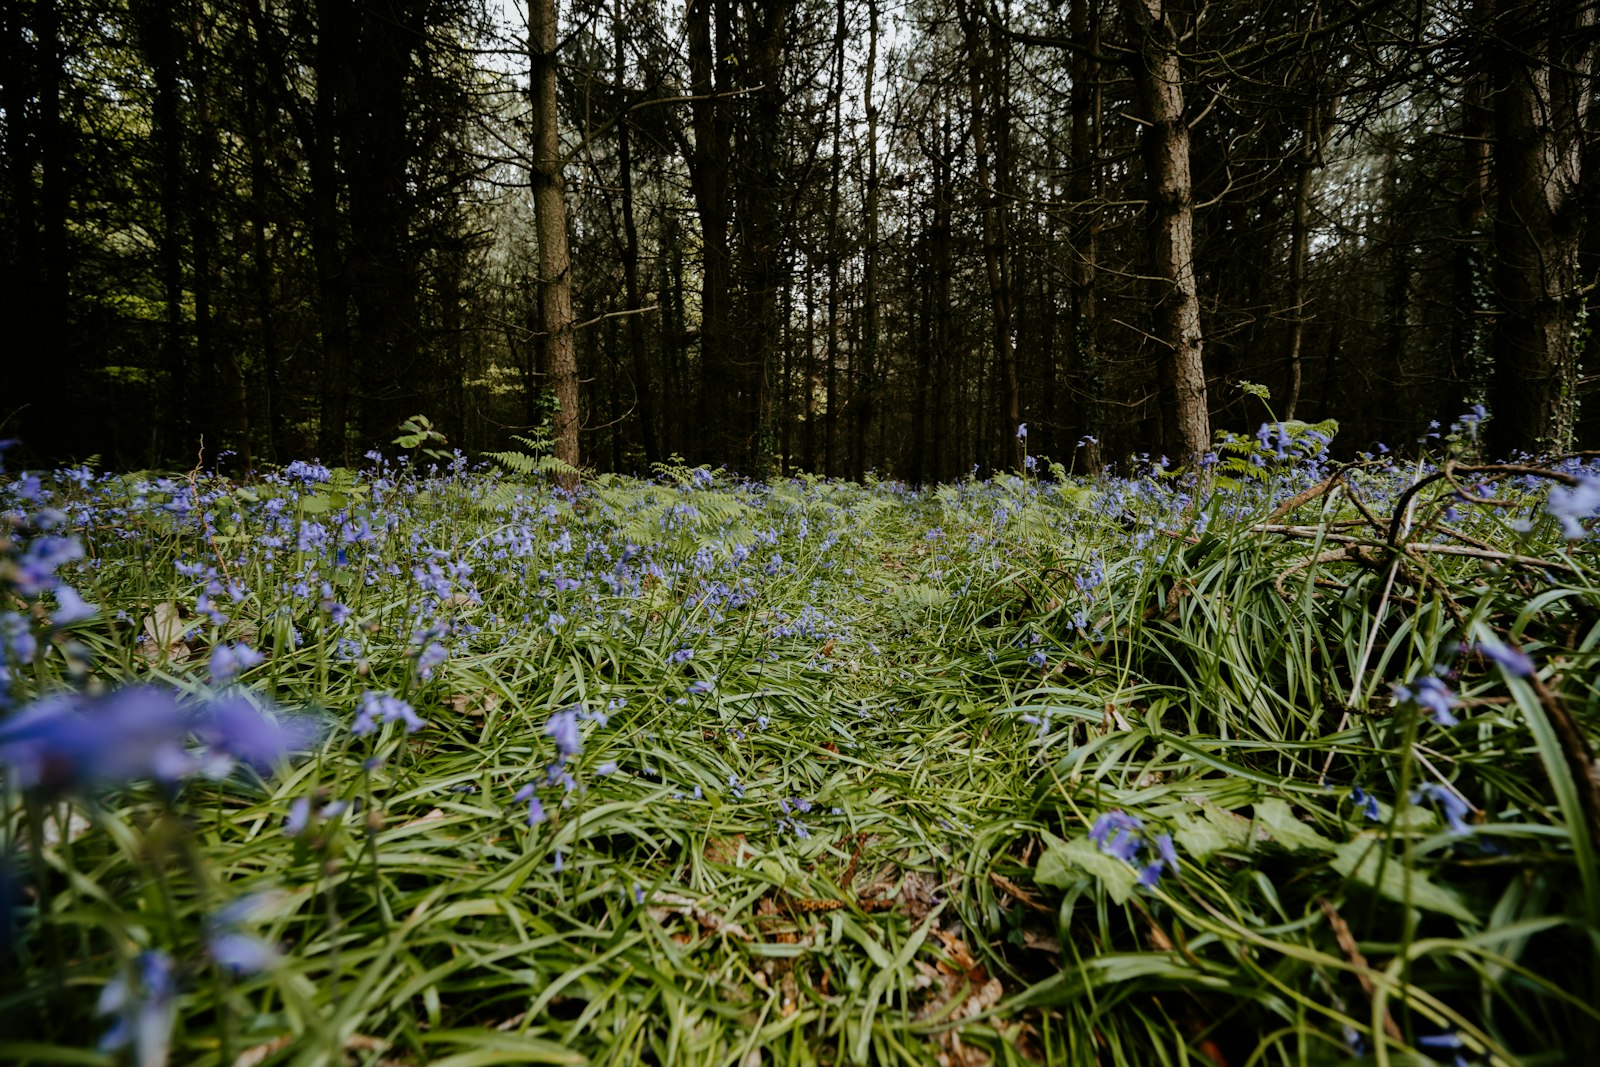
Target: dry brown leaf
pixel 165 628
pixel 477 705
pixel 668 904
pixel 731 850
pixel 433 815
pixel 256 1054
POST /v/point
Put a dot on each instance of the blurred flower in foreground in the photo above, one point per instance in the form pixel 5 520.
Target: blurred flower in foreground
pixel 1451 806
pixel 230 947
pixel 1123 836
pixel 1513 661
pixel 144 1010
pixel 71 742
pixel 1432 696
pixel 1569 505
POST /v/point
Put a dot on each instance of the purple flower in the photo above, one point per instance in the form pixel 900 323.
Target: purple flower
pixel 299 818
pixel 70 607
pixel 563 728
pixel 535 809
pixel 1432 696
pixel 1571 505
pixel 241 954
pixel 1022 431
pixel 1451 805
pixel 1512 660
pixel 35 570
pixel 229 661
pixel 230 947
pixel 382 707
pixel 72 742
pixel 144 1008
pixel 702 685
pixel 430 657
pixel 234 729
pixel 1367 802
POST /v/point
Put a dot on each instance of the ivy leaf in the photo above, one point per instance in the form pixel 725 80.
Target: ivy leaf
pixel 1287 829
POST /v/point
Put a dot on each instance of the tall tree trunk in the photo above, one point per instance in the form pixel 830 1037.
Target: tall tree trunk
pixel 1084 242
pixel 161 44
pixel 550 211
pixel 335 37
pixel 1543 58
pixel 996 240
pixel 1158 77
pixel 644 386
pixel 866 387
pixel 259 105
pixel 708 170
pixel 834 245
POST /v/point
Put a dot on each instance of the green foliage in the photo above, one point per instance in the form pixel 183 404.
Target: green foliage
pixel 959 684
pixel 419 434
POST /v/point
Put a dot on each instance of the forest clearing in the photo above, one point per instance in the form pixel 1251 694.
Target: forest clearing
pixel 1291 764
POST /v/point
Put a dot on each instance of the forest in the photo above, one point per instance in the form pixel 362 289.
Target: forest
pixel 789 235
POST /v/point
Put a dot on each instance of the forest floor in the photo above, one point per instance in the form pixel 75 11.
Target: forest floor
pixel 1284 765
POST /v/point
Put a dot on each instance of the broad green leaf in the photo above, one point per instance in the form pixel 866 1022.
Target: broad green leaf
pixel 1360 861
pixel 1064 862
pixel 1286 829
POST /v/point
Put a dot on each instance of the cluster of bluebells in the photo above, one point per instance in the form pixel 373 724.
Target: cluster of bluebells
pixel 1430 695
pixel 1124 836
pixel 32 555
pixel 565 732
pixel 72 742
pixel 374 709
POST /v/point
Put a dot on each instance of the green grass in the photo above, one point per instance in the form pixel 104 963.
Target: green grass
pixel 954 683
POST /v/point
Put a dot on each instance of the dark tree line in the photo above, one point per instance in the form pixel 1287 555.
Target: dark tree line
pixel 822 235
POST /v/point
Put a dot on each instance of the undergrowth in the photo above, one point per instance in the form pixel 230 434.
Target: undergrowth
pixel 464 770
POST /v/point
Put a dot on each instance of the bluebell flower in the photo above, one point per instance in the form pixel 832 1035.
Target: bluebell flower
pixel 1451 805
pixel 73 742
pixel 702 685
pixel 70 607
pixel 144 1009
pixel 298 821
pixel 229 661
pixel 1022 431
pixel 535 808
pixel 1432 696
pixel 1513 661
pixel 562 727
pixel 1037 658
pixel 230 947
pixel 1366 802
pixel 234 729
pixel 375 707
pixel 1569 505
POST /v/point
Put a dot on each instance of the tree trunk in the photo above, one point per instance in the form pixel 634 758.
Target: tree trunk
pixel 550 211
pixel 708 170
pixel 1158 77
pixel 335 35
pixel 866 388
pixel 1543 61
pixel 644 386
pixel 1084 250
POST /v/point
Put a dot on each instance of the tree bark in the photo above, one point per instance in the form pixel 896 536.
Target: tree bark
pixel 550 211
pixel 1084 244
pixel 644 386
pixel 1543 59
pixel 1158 77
